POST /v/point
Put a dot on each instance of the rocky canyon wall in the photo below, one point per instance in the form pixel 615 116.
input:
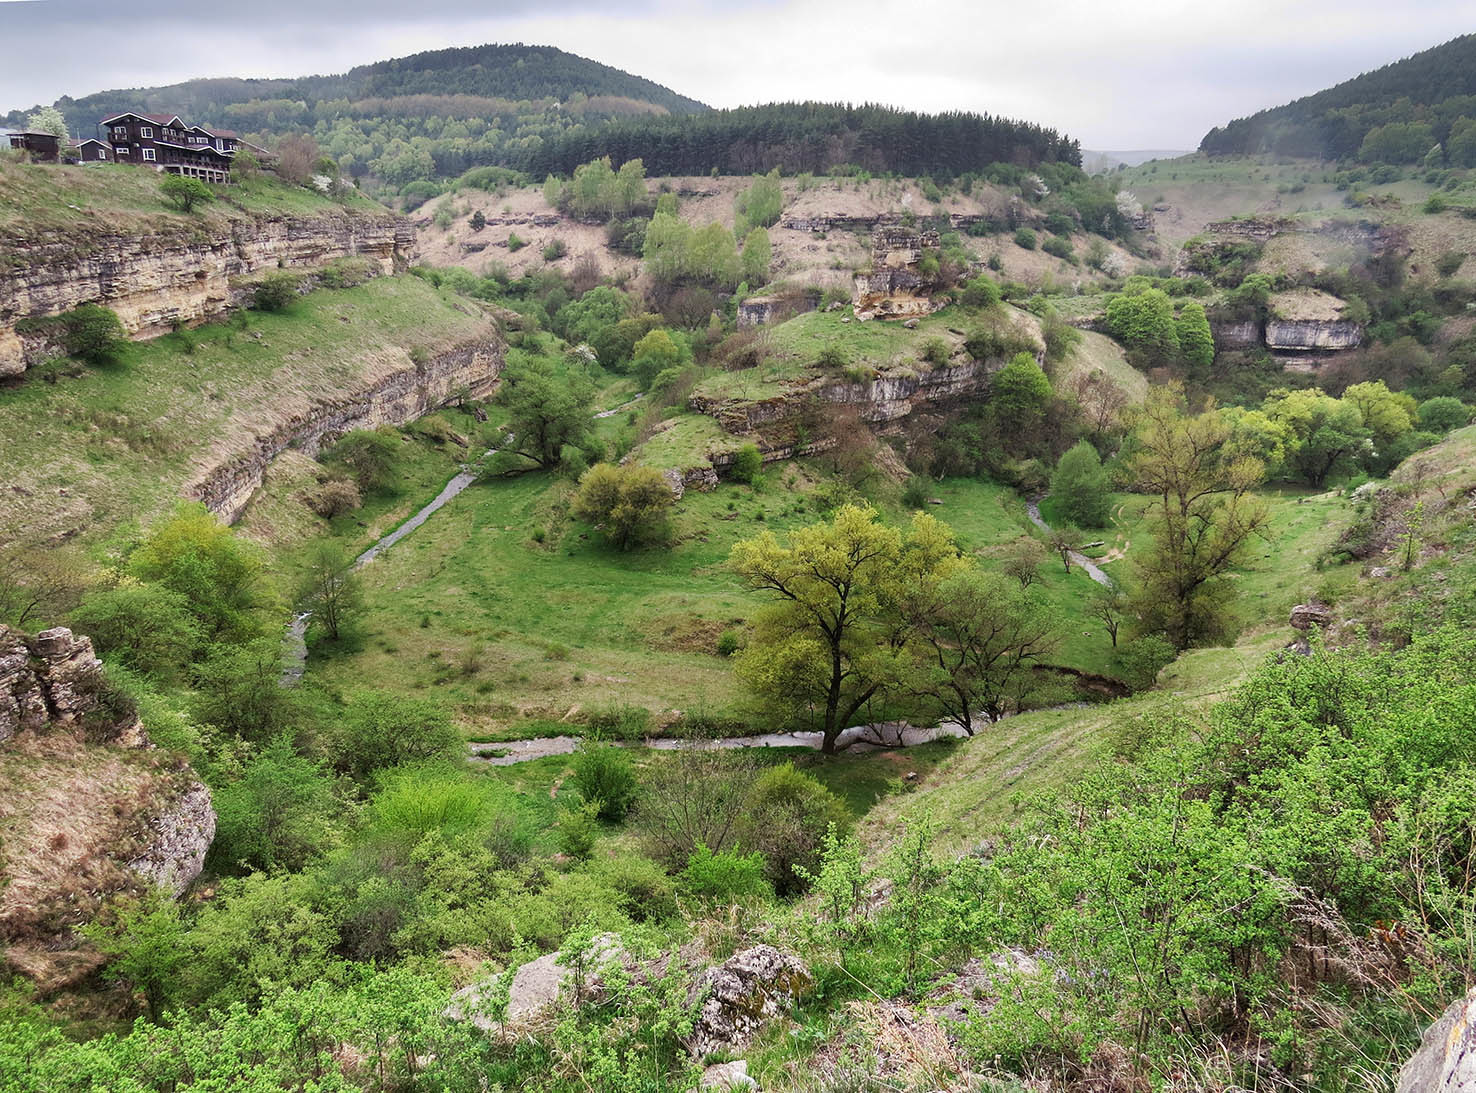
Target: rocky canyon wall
pixel 403 395
pixel 158 281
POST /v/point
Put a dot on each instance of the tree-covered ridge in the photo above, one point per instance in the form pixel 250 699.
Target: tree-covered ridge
pixel 1434 88
pixel 810 136
pixel 513 73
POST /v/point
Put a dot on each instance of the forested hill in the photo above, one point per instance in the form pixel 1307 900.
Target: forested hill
pixel 809 137
pixel 509 73
pixel 1398 112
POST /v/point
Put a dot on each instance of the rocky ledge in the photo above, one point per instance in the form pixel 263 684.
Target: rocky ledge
pixel 158 282
pixel 409 392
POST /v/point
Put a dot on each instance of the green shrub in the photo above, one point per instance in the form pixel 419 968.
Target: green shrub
pixel 729 642
pixel 553 252
pixel 1060 247
pixel 92 333
pixel 1447 264
pixel 1139 661
pixel 915 494
pixel 643 892
pixel 748 461
pixel 1025 238
pixel 785 821
pixel 833 356
pixel 578 829
pixel 515 242
pixel 725 877
pixel 372 456
pixel 980 293
pixel 382 729
pixel 276 291
pixel 623 722
pixel 605 777
pixel 279 813
pixel 1442 414
pixel 936 351
pixel 478 221
pixel 415 801
pixel 146 627
pixel 184 192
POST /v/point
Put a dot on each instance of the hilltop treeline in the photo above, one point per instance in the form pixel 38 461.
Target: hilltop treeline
pixel 513 73
pixel 809 137
pixel 1429 92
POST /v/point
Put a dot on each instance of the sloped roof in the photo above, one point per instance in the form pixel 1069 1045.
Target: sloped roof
pixel 157 119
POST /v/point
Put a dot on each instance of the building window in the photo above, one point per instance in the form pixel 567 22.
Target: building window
pixel 102 153
pixel 120 132
pixel 148 154
pixel 122 151
pixel 145 132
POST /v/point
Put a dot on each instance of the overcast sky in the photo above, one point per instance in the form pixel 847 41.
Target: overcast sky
pixel 1117 75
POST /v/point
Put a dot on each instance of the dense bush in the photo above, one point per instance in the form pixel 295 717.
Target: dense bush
pixel 92 333
pixel 725 877
pixel 371 456
pixel 605 777
pixel 748 461
pixel 1026 238
pixel 630 505
pixel 276 291
pixel 786 815
pixel 1082 487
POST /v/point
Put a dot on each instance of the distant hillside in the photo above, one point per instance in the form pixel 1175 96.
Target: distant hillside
pixel 810 137
pixel 1394 114
pixel 1095 162
pixel 515 73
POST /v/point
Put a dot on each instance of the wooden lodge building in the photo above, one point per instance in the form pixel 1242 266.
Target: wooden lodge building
pixel 165 142
pixel 44 147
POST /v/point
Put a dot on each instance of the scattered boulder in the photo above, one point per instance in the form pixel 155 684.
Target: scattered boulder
pixel 536 987
pixel 727 1076
pixel 1304 616
pixel 1446 1059
pixel 741 994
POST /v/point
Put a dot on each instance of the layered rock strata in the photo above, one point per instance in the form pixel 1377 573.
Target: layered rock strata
pixel 158 282
pixel 418 387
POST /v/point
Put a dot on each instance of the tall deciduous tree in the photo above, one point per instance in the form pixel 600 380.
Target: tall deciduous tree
pixel 1082 487
pixel 833 640
pixel 976 640
pixel 1204 517
pixel 1196 341
pixel 547 414
pixel 331 590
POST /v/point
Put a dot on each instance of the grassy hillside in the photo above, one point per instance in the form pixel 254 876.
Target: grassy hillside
pixel 100 447
pixel 43 202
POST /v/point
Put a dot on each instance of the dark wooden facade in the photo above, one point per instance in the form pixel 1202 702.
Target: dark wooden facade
pixel 45 147
pixel 166 143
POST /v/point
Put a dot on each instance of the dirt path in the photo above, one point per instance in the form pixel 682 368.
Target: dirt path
pixel 1088 567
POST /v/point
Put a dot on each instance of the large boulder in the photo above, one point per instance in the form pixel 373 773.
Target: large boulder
pixel 741 994
pixel 1446 1060
pixel 536 987
pixel 1305 616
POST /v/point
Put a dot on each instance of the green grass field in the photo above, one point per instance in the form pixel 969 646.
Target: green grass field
pixel 104 446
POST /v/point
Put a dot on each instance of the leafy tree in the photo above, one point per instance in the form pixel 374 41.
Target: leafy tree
pixel 1443 413
pixel 186 193
pixel 1020 393
pixel 748 461
pixel 1144 323
pixel 1196 342
pixel 49 119
pixel 980 293
pixel 759 205
pixel 1022 559
pixel 1204 517
pixel 143 941
pixel 1397 142
pixel 977 639
pixel 38 583
pixel 372 456
pixel 93 333
pixel 1386 415
pixel 146 627
pixel 605 777
pixel 548 415
pixel 832 639
pixel 331 589
pixel 629 504
pixel 276 291
pixel 652 355
pixel 219 575
pixel 585 318
pixel 279 813
pixel 1082 487
pixel 1139 661
pixel 757 254
pixel 381 729
pixel 785 819
pixel 1327 434
pixel 238 689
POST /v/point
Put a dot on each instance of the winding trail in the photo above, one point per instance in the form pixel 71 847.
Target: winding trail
pixel 294 652
pixel 1090 568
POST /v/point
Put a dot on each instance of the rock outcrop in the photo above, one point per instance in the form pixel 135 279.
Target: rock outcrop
pixel 156 282
pixel 1446 1060
pixel 93 809
pixel 741 994
pixel 50 679
pixel 896 286
pixel 1288 335
pixel 535 988
pixel 407 393
pixel 1304 616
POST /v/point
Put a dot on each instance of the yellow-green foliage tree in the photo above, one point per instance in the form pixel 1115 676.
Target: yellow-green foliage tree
pixel 630 505
pixel 834 636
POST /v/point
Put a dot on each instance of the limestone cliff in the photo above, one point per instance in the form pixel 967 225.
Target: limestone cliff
pixel 408 391
pixel 177 276
pixel 88 808
pixel 897 286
